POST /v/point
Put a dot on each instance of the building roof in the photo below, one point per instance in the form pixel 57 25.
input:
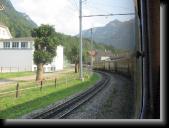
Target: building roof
pixel 19 39
pixel 3 25
pixel 7 31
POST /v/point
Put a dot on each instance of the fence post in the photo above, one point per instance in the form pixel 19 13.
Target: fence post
pixel 66 81
pixel 41 83
pixel 17 90
pixel 55 82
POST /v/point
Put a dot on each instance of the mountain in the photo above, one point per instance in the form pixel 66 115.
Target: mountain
pixel 116 33
pixel 19 24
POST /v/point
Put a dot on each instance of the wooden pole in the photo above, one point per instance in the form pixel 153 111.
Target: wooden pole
pixel 41 83
pixel 17 90
pixel 55 82
pixel 66 81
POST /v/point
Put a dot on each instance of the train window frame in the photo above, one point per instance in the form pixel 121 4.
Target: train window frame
pixel 150 109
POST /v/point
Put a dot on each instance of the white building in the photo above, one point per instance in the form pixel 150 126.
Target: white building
pixel 4 32
pixel 16 54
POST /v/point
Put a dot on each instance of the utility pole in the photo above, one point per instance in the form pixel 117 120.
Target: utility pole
pixel 81 43
pixel 80 29
pixel 91 48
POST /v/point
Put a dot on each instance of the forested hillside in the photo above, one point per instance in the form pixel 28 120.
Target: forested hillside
pixel 70 43
pixel 118 34
pixel 18 23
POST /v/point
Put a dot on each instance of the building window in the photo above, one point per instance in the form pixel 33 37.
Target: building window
pixel 15 44
pixel 53 69
pixel 6 44
pixel 24 44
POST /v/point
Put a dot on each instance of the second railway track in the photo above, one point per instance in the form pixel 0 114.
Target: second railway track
pixel 64 109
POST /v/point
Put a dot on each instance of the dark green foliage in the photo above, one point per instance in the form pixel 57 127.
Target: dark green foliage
pixel 46 43
pixel 74 55
pixel 71 47
pixel 19 24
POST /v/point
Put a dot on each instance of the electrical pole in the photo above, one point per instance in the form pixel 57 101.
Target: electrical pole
pixel 80 29
pixel 91 48
pixel 81 43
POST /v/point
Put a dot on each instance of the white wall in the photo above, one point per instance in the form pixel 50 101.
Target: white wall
pixel 17 59
pixel 22 60
pixel 58 60
pixel 105 58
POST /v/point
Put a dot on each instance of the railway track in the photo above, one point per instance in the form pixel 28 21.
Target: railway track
pixel 63 110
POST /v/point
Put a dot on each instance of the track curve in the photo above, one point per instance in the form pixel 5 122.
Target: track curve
pixel 62 110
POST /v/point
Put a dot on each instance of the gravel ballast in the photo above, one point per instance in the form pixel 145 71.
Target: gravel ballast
pixel 115 101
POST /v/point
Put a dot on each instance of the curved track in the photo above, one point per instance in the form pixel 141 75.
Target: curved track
pixel 62 110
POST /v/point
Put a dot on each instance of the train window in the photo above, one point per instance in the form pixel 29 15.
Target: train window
pixel 117 46
pixel 120 39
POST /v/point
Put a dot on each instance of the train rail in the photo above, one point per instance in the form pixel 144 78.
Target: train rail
pixel 62 110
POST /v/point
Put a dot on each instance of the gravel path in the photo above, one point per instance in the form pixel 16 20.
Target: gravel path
pixel 113 102
pixel 32 77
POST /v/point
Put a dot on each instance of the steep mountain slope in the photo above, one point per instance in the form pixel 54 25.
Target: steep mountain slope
pixel 19 23
pixel 118 34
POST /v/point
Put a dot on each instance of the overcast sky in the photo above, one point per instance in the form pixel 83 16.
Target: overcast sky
pixel 64 14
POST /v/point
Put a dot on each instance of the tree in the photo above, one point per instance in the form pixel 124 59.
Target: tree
pixel 74 57
pixel 45 47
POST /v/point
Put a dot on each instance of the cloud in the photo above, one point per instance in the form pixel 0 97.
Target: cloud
pixel 63 14
pixel 59 13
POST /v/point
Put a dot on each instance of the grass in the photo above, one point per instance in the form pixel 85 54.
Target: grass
pixel 15 74
pixel 32 83
pixel 11 107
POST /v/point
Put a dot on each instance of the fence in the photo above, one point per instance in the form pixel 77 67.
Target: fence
pixel 53 82
pixel 14 69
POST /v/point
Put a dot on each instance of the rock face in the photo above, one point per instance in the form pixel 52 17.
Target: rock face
pixel 116 33
pixel 19 24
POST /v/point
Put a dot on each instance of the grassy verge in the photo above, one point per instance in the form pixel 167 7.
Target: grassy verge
pixel 11 107
pixel 32 83
pixel 15 74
